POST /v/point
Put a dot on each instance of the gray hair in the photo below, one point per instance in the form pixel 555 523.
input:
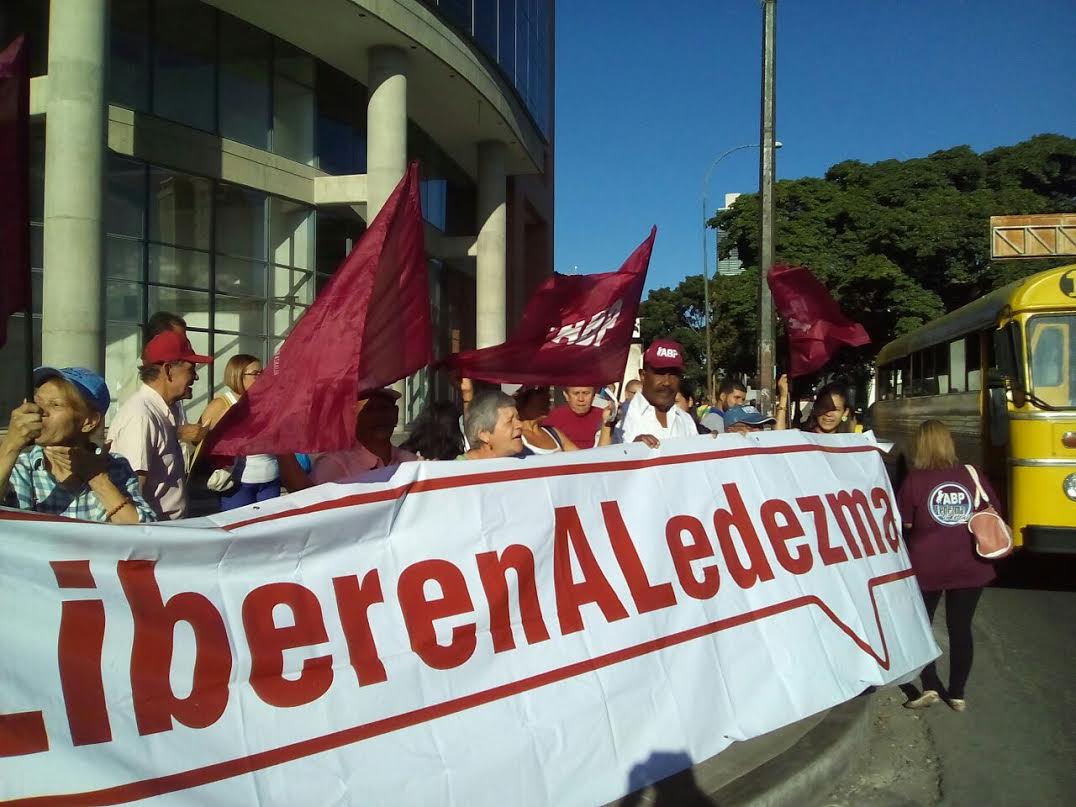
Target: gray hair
pixel 482 414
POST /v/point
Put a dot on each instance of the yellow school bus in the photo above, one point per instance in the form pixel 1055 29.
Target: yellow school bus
pixel 1001 373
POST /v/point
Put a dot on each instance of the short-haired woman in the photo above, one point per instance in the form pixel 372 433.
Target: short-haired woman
pixel 936 501
pixel 257 476
pixel 63 473
pixel 492 427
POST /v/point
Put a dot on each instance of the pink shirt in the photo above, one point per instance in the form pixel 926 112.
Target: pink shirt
pixel 351 463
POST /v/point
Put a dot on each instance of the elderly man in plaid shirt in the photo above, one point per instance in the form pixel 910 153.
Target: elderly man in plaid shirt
pixel 62 472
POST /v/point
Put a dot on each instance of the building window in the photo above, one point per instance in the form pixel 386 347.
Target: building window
pixel 341 122
pixel 235 263
pixel 128 69
pixel 184 57
pixel 243 105
pixel 293 104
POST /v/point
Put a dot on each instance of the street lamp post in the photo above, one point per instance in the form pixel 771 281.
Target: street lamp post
pixel 705 263
pixel 767 171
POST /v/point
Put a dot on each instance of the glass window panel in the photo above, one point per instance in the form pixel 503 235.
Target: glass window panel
pixel 244 82
pixel 295 64
pixel 485 26
pixel 178 267
pixel 123 353
pixel 956 366
pixel 240 315
pixel 37 245
pixel 193 306
pixel 240 221
pixel 126 197
pixel 239 276
pixel 37 171
pixel 506 40
pixel 226 345
pixel 458 12
pixel 13 369
pixel 338 228
pixel 29 17
pixel 291 227
pixel 200 396
pixel 284 316
pixel 292 285
pixel 341 123
pixel 180 208
pixel 293 121
pixel 183 63
pixel 123 301
pixel 123 258
pixel 128 67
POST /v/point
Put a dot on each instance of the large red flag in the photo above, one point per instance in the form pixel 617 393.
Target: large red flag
pixel 576 330
pixel 815 324
pixel 14 183
pixel 369 327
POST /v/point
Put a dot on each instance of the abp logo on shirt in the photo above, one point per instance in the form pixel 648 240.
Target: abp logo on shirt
pixel 950 504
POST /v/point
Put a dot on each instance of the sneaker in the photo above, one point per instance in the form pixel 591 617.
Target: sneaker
pixel 928 698
pixel 957 704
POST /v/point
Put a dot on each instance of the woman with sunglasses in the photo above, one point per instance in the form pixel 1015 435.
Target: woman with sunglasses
pixel 256 477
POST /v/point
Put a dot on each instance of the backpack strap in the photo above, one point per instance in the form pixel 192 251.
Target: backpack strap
pixel 980 494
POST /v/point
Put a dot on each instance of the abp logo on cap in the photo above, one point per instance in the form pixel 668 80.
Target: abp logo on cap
pixel 664 353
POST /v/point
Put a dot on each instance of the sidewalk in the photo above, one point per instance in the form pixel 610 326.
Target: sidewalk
pixel 795 765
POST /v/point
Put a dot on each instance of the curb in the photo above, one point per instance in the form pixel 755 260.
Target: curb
pixel 806 772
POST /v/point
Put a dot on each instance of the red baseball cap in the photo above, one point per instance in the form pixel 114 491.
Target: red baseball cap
pixel 663 354
pixel 171 346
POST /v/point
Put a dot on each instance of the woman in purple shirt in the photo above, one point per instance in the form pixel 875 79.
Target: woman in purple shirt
pixel 936 501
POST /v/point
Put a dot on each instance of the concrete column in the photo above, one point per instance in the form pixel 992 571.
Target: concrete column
pixel 386 125
pixel 75 147
pixel 491 282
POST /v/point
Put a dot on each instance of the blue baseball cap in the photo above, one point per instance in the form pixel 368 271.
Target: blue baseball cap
pixel 746 414
pixel 89 384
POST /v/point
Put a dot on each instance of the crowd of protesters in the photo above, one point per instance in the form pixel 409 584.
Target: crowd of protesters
pixel 50 462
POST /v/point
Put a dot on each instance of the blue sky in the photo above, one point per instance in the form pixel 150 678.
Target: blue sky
pixel 648 94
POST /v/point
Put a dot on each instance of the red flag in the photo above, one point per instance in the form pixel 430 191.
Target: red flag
pixel 369 327
pixel 14 183
pixel 576 330
pixel 816 327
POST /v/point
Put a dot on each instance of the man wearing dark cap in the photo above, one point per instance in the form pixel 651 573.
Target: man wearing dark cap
pixel 376 414
pixel 653 414
pixel 145 430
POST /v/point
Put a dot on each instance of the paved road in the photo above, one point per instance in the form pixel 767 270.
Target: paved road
pixel 1016 744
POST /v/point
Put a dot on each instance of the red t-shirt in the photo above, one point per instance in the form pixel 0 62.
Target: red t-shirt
pixel 938 505
pixel 580 429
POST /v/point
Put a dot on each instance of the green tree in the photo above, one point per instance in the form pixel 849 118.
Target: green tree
pixel 896 242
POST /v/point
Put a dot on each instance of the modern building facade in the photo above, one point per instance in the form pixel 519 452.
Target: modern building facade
pixel 218 159
pixel 730 265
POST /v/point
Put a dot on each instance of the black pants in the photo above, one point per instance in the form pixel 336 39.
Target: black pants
pixel 960 606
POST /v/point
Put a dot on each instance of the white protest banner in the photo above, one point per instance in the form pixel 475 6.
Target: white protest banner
pixel 522 632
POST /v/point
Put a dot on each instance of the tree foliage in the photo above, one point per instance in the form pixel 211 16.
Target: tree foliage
pixel 896 242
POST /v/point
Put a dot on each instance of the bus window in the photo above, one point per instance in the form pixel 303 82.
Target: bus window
pixel 941 367
pixel 929 385
pixel 973 362
pixel 885 383
pixel 900 378
pixel 956 366
pixel 1052 359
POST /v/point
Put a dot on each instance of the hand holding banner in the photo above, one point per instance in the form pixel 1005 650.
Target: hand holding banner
pixel 492 632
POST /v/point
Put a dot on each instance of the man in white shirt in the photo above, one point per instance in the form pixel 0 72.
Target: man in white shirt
pixel 145 430
pixel 652 415
pixel 376 414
